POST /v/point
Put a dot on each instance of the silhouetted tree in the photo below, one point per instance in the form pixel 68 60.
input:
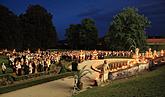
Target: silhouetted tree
pixel 10 35
pixel 89 34
pixel 73 36
pixel 127 30
pixel 82 36
pixel 38 30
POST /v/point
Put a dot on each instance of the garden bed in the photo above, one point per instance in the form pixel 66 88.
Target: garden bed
pixel 30 82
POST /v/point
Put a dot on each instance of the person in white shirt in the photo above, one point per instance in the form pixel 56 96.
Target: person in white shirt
pixel 3 68
pixel 30 68
pixel 19 69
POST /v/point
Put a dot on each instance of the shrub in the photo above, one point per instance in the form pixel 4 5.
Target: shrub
pixel 32 82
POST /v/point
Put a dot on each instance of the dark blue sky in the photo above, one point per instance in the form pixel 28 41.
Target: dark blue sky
pixel 66 12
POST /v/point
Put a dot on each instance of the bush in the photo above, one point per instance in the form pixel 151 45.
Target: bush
pixel 63 70
pixel 5 60
pixel 9 70
pixel 32 82
pixel 6 79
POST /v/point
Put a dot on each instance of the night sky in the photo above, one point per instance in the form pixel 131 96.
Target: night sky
pixel 66 12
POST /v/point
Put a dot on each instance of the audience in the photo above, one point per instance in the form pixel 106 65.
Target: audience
pixel 26 62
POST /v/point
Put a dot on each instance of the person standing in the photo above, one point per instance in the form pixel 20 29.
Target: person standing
pixel 3 68
pixel 45 66
pixel 48 64
pixel 26 68
pixel 19 69
pixel 40 67
pixel 33 67
pixel 30 68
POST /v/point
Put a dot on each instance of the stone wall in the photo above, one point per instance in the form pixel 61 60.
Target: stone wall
pixel 129 71
pixel 95 63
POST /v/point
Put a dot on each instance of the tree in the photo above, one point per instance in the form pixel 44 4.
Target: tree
pixel 73 36
pixel 91 33
pixel 82 36
pixel 9 29
pixel 127 30
pixel 38 30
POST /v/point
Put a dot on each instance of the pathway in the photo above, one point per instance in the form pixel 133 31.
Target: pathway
pixel 57 88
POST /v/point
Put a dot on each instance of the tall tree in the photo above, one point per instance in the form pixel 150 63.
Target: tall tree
pixel 89 33
pixel 38 30
pixel 73 36
pixel 82 36
pixel 127 30
pixel 9 29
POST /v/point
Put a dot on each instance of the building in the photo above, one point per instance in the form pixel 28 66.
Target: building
pixel 156 43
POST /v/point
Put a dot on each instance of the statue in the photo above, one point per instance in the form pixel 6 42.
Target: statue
pixel 161 53
pixel 137 54
pixel 105 71
pixel 146 55
pixel 95 54
pixel 155 54
pixel 150 53
pixel 143 58
pixel 82 56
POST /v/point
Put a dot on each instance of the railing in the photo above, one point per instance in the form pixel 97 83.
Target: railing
pixel 123 65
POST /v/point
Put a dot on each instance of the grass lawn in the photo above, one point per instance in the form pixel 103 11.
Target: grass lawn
pixel 148 84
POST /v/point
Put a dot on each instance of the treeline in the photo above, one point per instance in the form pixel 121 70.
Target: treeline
pixel 34 29
pixel 126 32
pixel 31 29
pixel 156 36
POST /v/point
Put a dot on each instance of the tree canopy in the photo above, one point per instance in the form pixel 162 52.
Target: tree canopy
pixel 127 30
pixel 73 36
pixel 33 29
pixel 9 29
pixel 82 36
pixel 38 30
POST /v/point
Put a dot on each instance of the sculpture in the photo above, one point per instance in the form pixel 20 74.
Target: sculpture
pixel 105 71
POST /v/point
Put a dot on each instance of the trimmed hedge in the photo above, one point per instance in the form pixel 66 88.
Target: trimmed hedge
pixel 33 82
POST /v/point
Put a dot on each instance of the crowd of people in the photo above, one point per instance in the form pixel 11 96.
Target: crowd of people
pixel 94 54
pixel 26 62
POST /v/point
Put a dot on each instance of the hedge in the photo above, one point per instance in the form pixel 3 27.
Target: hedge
pixel 32 82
